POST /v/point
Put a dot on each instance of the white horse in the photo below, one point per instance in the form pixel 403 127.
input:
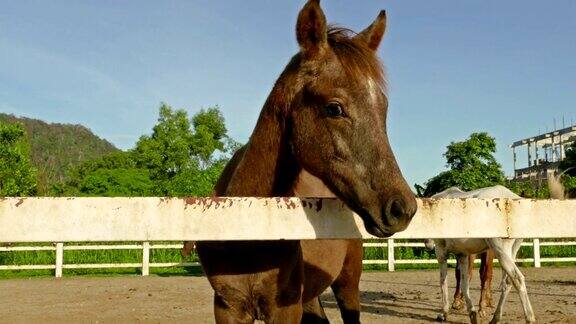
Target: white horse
pixel 504 249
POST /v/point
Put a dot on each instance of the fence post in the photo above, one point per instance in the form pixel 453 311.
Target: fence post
pixel 59 259
pixel 390 254
pixel 145 258
pixel 536 244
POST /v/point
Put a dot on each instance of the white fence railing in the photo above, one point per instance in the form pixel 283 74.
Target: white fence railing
pixel 146 248
pixel 68 220
pixel 198 219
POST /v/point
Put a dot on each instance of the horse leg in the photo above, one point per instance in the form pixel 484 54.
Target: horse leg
pixel 506 286
pixel 505 251
pixel 465 280
pixel 443 262
pixel 187 248
pixel 458 302
pixel 489 274
pixel 486 270
pixel 314 312
pixel 292 314
pixel 346 287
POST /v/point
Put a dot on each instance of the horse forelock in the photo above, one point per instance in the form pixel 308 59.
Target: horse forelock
pixel 359 61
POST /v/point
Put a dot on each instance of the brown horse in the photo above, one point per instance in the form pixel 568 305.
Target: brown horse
pixel 486 275
pixel 321 132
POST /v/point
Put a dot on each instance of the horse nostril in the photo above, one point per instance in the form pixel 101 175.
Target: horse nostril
pixel 394 213
pixel 397 209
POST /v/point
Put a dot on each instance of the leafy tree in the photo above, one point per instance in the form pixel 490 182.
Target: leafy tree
pixel 471 164
pixel 569 162
pixel 185 157
pixel 528 189
pixel 195 182
pixel 166 152
pixel 114 175
pixel 570 186
pixel 568 166
pixel 17 176
pixel 116 183
pixel 209 134
pixel 182 157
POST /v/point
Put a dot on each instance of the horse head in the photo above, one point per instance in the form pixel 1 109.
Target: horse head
pixel 327 115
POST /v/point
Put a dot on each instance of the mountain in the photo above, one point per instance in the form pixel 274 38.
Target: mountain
pixel 56 148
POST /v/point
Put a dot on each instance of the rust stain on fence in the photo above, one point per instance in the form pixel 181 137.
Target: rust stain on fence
pixel 206 203
pixel 20 202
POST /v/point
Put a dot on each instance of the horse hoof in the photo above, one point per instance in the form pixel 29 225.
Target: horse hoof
pixel 482 313
pixel 442 317
pixel 488 303
pixel 474 317
pixel 458 304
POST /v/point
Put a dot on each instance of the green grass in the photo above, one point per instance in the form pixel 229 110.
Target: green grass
pixel 173 255
pixel 93 257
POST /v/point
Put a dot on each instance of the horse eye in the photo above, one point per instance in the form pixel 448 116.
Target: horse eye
pixel 334 109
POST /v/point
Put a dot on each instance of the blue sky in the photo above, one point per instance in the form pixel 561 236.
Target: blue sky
pixel 454 67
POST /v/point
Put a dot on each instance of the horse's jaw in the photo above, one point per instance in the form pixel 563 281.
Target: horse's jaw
pixel 307 185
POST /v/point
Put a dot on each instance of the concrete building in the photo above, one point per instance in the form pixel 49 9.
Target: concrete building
pixel 543 152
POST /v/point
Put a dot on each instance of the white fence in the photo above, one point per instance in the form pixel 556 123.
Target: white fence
pixel 69 220
pixel 197 219
pixel 146 247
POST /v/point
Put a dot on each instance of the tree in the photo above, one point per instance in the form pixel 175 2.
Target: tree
pixel 114 175
pixel 471 164
pixel 182 157
pixel 116 183
pixel 17 176
pixel 209 135
pixel 166 152
pixel 185 157
pixel 568 166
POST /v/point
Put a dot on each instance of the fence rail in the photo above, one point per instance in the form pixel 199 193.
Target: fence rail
pixel 149 219
pixel 197 219
pixel 146 248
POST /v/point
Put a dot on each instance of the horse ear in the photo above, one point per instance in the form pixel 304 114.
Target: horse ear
pixel 374 33
pixel 311 30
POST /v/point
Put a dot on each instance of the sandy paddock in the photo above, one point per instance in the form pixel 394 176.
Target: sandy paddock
pixel 398 297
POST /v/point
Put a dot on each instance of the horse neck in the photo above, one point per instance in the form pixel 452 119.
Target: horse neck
pixel 266 168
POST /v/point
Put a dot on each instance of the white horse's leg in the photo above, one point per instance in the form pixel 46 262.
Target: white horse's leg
pixel 503 249
pixel 506 286
pixel 463 260
pixel 442 256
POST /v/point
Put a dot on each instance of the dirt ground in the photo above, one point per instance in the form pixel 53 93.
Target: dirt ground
pixel 399 297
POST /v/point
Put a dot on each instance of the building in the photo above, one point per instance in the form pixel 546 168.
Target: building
pixel 544 152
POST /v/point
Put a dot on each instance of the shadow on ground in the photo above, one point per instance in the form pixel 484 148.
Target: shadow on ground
pixel 381 303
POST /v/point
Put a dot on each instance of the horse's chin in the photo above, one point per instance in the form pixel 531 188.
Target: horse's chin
pixel 370 224
pixel 373 228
